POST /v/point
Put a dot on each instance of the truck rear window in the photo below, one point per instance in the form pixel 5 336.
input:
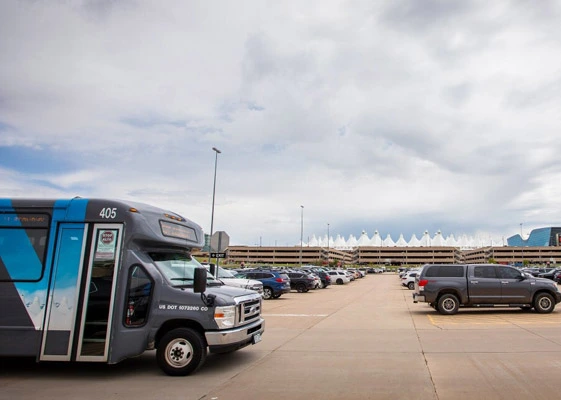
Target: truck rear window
pixel 445 271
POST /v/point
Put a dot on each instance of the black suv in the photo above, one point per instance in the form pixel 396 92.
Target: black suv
pixel 323 276
pixel 301 281
pixel 275 283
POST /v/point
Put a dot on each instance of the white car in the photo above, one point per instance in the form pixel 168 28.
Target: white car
pixel 409 279
pixel 229 279
pixel 339 277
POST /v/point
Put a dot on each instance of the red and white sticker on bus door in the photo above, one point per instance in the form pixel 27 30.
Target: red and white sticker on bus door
pixel 106 244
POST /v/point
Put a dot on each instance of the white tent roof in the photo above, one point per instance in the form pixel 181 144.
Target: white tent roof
pixel 414 242
pixel 463 242
pixel 376 239
pixel 363 240
pixel 388 241
pixel 401 241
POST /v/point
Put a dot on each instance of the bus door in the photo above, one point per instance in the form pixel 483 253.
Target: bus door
pixel 99 292
pixel 62 300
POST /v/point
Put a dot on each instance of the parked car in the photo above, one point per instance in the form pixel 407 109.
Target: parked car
pixel 446 287
pixel 408 279
pixel 229 278
pixel 339 277
pixel 350 274
pixel 357 273
pixel 317 281
pixel 549 274
pixel 324 277
pixel 301 281
pixel 275 283
pixel 537 271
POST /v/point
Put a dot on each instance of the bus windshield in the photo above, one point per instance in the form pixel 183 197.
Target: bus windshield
pixel 179 268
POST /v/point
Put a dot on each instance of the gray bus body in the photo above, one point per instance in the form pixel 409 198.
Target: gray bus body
pixel 105 280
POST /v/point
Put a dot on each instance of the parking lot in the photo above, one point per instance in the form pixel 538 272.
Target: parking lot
pixel 363 340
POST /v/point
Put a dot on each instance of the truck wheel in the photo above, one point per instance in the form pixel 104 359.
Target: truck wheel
pixel 544 303
pixel 411 285
pixel 448 304
pixel 181 352
pixel 267 293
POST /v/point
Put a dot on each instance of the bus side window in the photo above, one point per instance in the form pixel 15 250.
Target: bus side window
pixel 139 294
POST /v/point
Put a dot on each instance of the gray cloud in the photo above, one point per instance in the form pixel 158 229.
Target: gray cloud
pixel 399 116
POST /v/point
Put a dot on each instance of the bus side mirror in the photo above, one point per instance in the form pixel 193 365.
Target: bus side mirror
pixel 199 280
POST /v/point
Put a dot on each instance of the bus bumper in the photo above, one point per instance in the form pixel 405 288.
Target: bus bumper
pixel 234 339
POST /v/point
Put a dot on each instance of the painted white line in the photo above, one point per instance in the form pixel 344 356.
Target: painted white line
pixel 294 315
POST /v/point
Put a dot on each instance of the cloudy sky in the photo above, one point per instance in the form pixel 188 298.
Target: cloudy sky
pixel 399 116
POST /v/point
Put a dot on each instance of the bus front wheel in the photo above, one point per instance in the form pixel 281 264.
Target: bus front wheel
pixel 181 352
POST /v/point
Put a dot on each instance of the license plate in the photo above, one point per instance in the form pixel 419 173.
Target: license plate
pixel 256 338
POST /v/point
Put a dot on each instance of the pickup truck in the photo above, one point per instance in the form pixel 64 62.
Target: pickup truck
pixel 446 287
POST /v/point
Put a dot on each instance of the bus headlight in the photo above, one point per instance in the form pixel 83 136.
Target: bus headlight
pixel 225 317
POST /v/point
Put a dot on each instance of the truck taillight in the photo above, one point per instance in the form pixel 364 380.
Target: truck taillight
pixel 423 282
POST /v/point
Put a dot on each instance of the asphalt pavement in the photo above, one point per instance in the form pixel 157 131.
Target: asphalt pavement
pixel 364 340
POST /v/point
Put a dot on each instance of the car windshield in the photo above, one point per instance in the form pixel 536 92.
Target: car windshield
pixel 224 273
pixel 179 268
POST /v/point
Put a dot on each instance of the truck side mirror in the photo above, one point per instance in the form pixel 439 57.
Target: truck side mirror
pixel 199 280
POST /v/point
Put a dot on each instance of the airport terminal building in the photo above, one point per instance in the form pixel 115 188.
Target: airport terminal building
pixel 542 247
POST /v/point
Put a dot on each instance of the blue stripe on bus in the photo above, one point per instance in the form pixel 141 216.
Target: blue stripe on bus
pixel 69 211
pixel 5 203
pixel 34 294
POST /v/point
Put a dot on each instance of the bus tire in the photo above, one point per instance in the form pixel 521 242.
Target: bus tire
pixel 181 352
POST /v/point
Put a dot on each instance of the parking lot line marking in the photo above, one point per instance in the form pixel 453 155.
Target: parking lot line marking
pixel 491 320
pixel 295 315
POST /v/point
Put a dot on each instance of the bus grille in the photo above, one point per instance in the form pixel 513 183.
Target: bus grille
pixel 249 311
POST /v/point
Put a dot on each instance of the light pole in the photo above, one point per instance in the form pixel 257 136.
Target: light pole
pixel 328 244
pixel 522 243
pixel 301 232
pixel 214 191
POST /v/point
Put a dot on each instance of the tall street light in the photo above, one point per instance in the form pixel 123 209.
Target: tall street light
pixel 214 192
pixel 301 232
pixel 522 242
pixel 328 244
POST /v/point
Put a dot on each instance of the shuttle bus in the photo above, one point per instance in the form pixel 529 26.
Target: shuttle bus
pixel 104 280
